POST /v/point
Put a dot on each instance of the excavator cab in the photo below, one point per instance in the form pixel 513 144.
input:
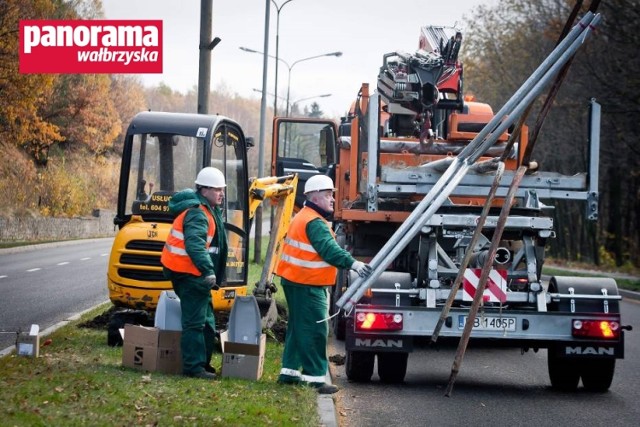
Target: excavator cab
pixel 162 154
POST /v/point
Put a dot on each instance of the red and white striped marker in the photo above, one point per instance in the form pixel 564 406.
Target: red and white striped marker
pixel 496 288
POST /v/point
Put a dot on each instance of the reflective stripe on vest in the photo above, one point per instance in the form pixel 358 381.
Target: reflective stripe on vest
pixel 300 262
pixel 174 254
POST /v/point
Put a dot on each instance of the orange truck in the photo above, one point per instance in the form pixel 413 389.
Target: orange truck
pixel 392 157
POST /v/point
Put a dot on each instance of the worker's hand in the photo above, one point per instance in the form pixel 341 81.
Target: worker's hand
pixel 363 270
pixel 211 281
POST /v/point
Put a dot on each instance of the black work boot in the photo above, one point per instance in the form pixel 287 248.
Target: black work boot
pixel 204 375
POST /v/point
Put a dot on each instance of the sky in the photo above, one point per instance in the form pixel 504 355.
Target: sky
pixel 363 30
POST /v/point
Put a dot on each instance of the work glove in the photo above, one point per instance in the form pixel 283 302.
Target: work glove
pixel 211 281
pixel 363 270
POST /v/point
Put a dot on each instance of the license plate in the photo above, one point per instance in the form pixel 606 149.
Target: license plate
pixel 230 294
pixel 490 323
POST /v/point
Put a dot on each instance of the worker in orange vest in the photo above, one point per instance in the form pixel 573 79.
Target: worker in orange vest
pixel 194 259
pixel 308 266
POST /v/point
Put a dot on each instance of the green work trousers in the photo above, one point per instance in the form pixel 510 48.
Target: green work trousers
pixel 305 348
pixel 198 322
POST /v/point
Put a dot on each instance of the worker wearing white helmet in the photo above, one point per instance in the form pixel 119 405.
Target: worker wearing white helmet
pixel 308 266
pixel 194 259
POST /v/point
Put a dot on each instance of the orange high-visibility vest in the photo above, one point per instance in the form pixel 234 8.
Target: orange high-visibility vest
pixel 174 254
pixel 299 262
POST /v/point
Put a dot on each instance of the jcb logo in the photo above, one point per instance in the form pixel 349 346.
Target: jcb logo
pixel 138 356
pixel 152 234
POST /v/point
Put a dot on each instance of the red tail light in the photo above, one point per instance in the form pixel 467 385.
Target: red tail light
pixel 608 329
pixel 370 321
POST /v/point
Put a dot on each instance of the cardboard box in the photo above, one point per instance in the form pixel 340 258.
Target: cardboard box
pixel 151 349
pixel 28 344
pixel 240 360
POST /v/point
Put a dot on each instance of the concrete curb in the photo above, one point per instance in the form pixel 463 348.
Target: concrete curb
pixel 27 248
pixel 55 327
pixel 327 407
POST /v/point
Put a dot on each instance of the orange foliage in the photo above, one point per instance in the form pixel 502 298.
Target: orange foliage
pixel 21 123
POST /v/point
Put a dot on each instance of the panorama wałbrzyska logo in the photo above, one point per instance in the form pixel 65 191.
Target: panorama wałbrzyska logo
pixel 90 46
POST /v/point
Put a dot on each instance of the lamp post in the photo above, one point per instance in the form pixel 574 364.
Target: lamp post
pixel 263 118
pixel 336 54
pixel 308 98
pixel 278 9
pixel 297 101
pixel 269 93
pixel 290 67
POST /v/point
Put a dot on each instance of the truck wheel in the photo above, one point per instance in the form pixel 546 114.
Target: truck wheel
pixel 392 367
pixel 359 366
pixel 564 373
pixel 597 374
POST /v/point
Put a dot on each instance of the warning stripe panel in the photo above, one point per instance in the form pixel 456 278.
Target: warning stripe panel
pixel 495 290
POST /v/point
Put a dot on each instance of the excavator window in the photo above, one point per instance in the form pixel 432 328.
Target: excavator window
pixel 160 165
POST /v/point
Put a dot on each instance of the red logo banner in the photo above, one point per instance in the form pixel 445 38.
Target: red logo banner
pixel 83 46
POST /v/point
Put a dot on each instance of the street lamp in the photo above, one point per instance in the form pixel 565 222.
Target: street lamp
pixel 336 54
pixel 297 100
pixel 308 98
pixel 268 93
pixel 290 67
pixel 278 9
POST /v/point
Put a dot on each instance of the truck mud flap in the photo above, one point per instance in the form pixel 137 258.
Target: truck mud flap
pixel 379 343
pixel 591 350
pixel 376 342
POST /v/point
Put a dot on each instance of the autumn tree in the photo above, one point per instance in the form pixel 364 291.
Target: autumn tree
pixel 21 122
pixel 505 43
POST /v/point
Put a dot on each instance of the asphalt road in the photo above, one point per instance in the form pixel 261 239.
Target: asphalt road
pixel 495 387
pixel 46 284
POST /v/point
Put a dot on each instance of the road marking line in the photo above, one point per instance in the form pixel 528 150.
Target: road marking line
pixel 104 254
pixel 84 259
pixel 33 269
pixel 63 263
pixel 2 277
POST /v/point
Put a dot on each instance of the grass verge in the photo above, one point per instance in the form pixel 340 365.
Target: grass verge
pixel 79 380
pixel 623 283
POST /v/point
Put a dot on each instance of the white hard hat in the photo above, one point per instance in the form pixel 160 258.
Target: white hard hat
pixel 211 177
pixel 318 183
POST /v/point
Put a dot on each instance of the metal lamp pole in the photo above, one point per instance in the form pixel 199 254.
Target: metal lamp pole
pixel 278 9
pixel 263 119
pixel 308 98
pixel 297 101
pixel 336 54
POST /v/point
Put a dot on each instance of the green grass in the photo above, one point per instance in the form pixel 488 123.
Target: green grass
pixel 628 284
pixel 79 380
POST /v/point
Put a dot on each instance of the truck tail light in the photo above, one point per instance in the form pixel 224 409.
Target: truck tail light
pixel 607 329
pixel 370 321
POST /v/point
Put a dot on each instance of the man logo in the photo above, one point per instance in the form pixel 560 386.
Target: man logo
pixel 378 343
pixel 591 351
pixel 138 356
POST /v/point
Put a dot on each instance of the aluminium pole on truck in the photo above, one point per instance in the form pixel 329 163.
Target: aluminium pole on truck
pixel 522 98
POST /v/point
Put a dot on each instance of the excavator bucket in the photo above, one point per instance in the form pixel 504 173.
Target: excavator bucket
pixel 268 311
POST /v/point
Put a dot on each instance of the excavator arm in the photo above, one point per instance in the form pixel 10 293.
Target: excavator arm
pixel 282 192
